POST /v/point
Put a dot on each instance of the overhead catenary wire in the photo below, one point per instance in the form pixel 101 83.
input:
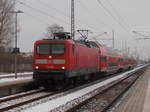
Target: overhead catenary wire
pixel 47 14
pixel 114 18
pixel 36 18
pixel 63 14
pixel 113 9
pixel 50 6
pixel 43 12
pixel 55 9
pixel 53 17
pixel 116 12
pixel 87 10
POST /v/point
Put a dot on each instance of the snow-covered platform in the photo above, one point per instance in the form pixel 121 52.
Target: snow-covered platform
pixel 14 85
pixel 138 97
pixel 15 81
pixel 12 75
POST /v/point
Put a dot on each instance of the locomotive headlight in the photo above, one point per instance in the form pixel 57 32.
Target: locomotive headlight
pixel 63 68
pixel 36 67
pixel 50 57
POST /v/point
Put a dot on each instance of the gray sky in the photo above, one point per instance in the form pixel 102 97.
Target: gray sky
pixel 132 15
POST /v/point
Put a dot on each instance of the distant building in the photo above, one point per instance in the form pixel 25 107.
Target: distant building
pixel 26 54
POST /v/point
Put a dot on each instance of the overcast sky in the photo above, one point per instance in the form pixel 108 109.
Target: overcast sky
pixel 122 16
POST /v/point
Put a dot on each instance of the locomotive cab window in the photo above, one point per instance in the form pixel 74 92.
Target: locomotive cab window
pixel 43 49
pixel 53 48
pixel 57 48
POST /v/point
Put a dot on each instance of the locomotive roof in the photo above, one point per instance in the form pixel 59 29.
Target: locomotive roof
pixel 107 51
pixel 62 35
pixel 54 40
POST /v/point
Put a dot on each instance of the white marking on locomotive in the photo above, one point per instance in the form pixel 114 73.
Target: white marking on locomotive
pixel 41 61
pixel 58 61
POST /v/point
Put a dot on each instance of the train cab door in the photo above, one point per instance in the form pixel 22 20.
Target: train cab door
pixel 73 53
pixel 74 59
pixel 76 53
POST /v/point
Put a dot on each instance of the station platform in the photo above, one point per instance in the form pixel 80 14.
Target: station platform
pixel 12 86
pixel 15 82
pixel 137 99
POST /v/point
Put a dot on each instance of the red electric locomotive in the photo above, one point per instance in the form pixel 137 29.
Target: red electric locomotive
pixel 63 59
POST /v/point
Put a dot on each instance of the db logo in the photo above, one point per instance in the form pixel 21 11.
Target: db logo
pixel 49 61
pixel 51 67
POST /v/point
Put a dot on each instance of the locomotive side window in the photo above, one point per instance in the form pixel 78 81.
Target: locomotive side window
pixel 51 48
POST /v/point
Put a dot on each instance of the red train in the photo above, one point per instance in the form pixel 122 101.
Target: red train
pixel 63 60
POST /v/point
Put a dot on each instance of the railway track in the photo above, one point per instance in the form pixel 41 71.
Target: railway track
pixel 23 99
pixel 12 97
pixel 102 101
pixel 16 101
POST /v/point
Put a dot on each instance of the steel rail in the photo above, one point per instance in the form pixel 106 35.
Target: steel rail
pixel 19 96
pixel 26 102
pixel 138 73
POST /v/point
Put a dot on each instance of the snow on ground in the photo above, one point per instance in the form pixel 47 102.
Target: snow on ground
pixel 13 74
pixel 5 80
pixel 12 79
pixel 75 96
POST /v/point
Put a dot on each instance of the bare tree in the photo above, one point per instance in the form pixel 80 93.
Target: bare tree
pixel 6 22
pixel 54 28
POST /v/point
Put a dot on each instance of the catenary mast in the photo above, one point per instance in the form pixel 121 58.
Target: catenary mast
pixel 72 20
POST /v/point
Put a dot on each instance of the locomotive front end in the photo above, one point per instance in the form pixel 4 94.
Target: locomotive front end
pixel 50 61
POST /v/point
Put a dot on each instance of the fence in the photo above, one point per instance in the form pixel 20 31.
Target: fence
pixel 7 63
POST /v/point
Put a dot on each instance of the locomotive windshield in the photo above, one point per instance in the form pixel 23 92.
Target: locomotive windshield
pixel 56 48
